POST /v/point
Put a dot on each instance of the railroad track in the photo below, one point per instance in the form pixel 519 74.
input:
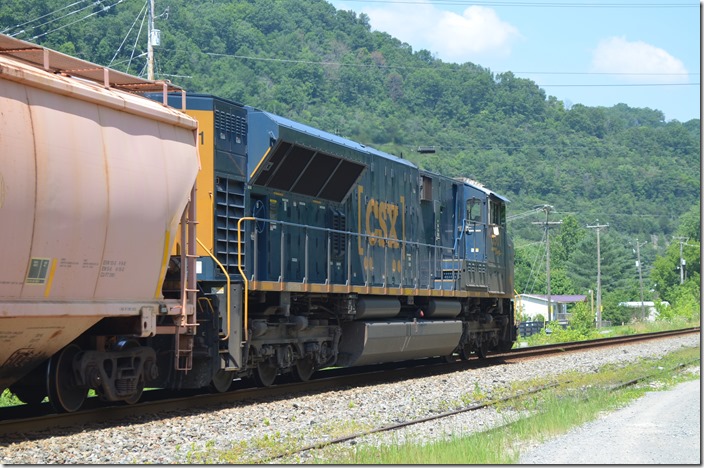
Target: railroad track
pixel 18 422
pixel 491 403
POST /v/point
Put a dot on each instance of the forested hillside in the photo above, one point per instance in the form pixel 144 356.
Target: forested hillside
pixel 624 166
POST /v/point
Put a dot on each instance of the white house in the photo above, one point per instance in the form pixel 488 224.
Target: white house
pixel 530 305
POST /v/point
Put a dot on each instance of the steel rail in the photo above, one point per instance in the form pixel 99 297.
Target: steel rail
pixel 20 421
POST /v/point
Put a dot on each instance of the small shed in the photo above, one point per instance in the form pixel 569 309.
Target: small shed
pixel 533 304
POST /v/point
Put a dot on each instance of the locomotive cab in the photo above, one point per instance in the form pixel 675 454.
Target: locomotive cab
pixel 485 245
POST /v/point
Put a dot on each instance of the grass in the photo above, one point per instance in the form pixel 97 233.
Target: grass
pixel 560 335
pixel 8 399
pixel 579 399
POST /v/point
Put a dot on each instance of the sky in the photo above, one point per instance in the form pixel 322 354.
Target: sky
pixel 644 53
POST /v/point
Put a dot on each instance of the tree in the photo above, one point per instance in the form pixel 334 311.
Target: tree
pixel 617 271
pixel 565 243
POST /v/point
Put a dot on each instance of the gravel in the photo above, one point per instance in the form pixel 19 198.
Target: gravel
pixel 248 431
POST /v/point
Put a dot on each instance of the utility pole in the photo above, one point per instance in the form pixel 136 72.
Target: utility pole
pixel 640 277
pixel 683 240
pixel 150 42
pixel 598 228
pixel 547 209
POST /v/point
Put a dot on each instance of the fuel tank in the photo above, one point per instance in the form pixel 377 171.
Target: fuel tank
pixel 93 182
pixel 366 343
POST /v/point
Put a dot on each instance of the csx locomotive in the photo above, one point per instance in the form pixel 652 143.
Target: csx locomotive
pixel 297 250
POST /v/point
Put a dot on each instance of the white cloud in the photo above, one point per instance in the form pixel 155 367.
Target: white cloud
pixel 617 55
pixel 453 37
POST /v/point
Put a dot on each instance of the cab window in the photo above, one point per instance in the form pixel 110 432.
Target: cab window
pixel 474 210
pixel 497 213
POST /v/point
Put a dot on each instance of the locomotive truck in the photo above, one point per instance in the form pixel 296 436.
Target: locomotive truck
pixel 297 249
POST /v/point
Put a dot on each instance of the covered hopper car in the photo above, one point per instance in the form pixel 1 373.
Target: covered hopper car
pixel 309 251
pixel 94 182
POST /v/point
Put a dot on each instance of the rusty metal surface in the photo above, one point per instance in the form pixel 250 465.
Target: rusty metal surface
pixel 56 62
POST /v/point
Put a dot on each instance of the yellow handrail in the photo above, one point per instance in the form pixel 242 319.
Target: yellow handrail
pixel 239 267
pixel 224 271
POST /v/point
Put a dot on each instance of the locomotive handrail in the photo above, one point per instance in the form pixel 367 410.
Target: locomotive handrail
pixel 227 278
pixel 432 252
pixel 458 239
pixel 241 270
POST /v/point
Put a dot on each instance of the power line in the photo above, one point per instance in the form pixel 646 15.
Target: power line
pixel 19 25
pixel 454 69
pixel 629 85
pixel 533 4
pixel 142 11
pixel 139 33
pixel 105 8
pixel 52 21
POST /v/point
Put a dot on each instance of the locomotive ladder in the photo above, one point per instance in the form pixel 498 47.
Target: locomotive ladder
pixel 187 321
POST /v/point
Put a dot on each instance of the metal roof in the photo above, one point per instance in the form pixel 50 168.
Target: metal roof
pixel 56 62
pixel 299 127
pixel 558 298
pixel 479 186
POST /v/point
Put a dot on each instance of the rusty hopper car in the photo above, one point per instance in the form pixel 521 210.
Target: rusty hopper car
pixel 315 251
pixel 94 181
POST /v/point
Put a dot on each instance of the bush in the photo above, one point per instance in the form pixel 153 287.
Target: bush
pixel 582 318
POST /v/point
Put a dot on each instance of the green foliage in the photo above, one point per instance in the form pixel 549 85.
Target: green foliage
pixel 616 262
pixel 666 269
pixel 686 303
pixel 8 399
pixel 554 333
pixel 582 318
pixel 612 312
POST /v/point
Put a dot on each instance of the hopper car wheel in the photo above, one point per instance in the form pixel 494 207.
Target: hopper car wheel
pixel 29 395
pixel 31 389
pixel 303 370
pixel 265 373
pixel 137 393
pixel 222 380
pixel 65 395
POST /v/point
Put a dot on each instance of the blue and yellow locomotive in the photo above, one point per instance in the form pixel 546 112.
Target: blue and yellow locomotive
pixel 317 251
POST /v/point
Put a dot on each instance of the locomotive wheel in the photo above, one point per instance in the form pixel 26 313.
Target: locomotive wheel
pixel 65 395
pixel 465 353
pixel 482 349
pixel 505 346
pixel 265 373
pixel 303 370
pixel 222 380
